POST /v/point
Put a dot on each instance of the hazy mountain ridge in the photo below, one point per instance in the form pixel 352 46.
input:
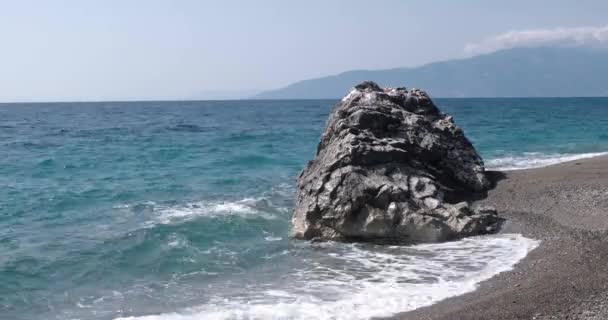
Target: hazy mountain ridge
pixel 521 72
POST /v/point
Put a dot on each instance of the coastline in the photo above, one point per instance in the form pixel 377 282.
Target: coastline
pixel 566 277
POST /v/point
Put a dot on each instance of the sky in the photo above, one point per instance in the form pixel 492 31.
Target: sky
pixel 89 50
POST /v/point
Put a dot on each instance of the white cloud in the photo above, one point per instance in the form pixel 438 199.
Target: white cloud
pixel 578 36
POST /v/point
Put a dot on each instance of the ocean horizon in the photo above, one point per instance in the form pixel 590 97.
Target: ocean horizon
pixel 332 100
pixel 180 209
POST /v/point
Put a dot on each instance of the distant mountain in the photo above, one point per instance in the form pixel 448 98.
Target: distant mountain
pixel 521 72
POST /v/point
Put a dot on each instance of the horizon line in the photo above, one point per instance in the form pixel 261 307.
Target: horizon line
pixel 282 99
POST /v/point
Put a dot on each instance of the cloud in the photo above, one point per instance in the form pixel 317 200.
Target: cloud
pixel 578 36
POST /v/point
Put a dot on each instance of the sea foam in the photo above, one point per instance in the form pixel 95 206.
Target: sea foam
pixel 530 160
pixel 245 208
pixel 354 281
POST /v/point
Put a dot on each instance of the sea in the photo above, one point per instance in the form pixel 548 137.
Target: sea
pixel 181 210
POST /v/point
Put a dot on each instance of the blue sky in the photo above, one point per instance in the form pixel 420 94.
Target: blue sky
pixel 148 49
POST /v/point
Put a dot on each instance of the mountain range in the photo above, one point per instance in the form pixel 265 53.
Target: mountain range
pixel 519 72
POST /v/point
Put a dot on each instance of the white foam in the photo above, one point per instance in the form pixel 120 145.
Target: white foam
pixel 531 160
pixel 248 208
pixel 176 241
pixel 362 282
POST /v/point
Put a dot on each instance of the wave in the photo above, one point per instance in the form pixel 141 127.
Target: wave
pixel 183 127
pixel 172 214
pixel 530 160
pixel 246 208
pixel 356 281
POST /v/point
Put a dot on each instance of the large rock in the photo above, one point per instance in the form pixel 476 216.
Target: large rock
pixel 389 167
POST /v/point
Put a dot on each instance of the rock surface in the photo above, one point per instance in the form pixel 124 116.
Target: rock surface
pixel 389 167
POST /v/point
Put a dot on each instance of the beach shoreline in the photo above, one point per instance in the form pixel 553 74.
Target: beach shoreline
pixel 566 277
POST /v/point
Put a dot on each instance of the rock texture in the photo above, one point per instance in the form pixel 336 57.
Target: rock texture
pixel 390 167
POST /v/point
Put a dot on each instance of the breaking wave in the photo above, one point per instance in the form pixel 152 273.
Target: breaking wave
pixel 530 160
pixel 159 213
pixel 356 281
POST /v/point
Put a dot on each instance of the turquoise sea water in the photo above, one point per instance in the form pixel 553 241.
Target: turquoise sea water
pixel 180 210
